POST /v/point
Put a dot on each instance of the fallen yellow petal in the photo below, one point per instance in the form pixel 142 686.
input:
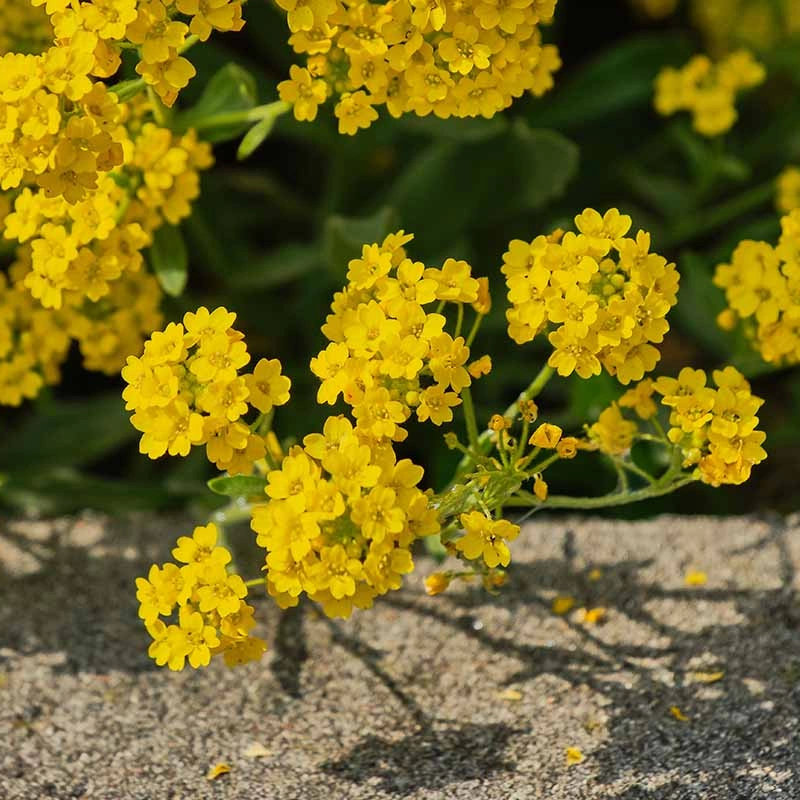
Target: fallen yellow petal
pixel 563 604
pixel 256 750
pixel 217 770
pixel 574 756
pixel 695 578
pixel 595 574
pixel 708 677
pixel 510 694
pixel 678 714
pixel 591 616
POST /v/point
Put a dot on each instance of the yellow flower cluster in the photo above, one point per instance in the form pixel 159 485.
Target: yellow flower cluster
pixel 612 433
pixel 762 289
pixel 212 615
pixel 716 429
pixel 23 28
pixel 341 519
pixel 708 89
pixel 758 24
pixel 81 257
pixel 389 357
pixel 442 57
pixel 603 296
pixel 91 35
pixel 32 345
pixel 788 195
pixel 186 390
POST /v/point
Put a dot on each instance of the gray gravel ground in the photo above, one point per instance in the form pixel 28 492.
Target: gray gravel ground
pixel 411 699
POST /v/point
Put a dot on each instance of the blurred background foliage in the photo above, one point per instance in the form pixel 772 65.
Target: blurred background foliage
pixel 270 238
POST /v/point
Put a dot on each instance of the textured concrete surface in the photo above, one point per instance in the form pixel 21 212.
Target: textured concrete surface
pixel 459 696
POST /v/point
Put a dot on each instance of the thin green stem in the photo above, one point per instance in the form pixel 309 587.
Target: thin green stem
pixel 469 418
pixel 484 444
pixel 255 582
pixel 473 331
pixel 636 470
pixel 459 320
pixel 525 499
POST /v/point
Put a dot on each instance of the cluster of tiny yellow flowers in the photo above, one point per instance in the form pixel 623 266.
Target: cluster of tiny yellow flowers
pixel 33 344
pixel 186 390
pixel 788 186
pixel 90 37
pixel 342 516
pixel 79 247
pixel 716 429
pixel 212 614
pixel 86 230
pixel 442 57
pixel 23 28
pixel 708 89
pixel 602 296
pixel 762 289
pixel 759 24
pixel 389 357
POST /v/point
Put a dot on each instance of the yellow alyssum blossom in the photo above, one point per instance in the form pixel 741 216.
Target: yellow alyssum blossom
pixel 389 357
pixel 708 89
pixel 340 520
pixel 600 296
pixel 485 539
pixel 416 56
pixel 716 428
pixel 612 432
pixel 212 615
pixel 185 390
pixel 546 436
pixel 762 289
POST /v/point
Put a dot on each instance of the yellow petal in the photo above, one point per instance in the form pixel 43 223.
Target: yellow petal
pixel 595 574
pixel 510 694
pixel 678 714
pixel 695 578
pixel 708 677
pixel 216 771
pixel 574 756
pixel 591 616
pixel 563 604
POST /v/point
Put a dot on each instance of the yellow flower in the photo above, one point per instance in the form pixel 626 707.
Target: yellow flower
pixel 486 539
pixel 354 111
pixel 546 436
pixel 304 92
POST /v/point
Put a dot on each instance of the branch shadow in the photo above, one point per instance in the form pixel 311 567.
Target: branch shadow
pixel 736 728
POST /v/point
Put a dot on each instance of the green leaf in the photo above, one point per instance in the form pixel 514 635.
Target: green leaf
pixel 285 264
pixel 344 237
pixel 255 137
pixel 232 89
pixel 238 485
pixel 438 196
pixel 67 434
pixel 169 259
pixel 617 80
pixel 543 161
